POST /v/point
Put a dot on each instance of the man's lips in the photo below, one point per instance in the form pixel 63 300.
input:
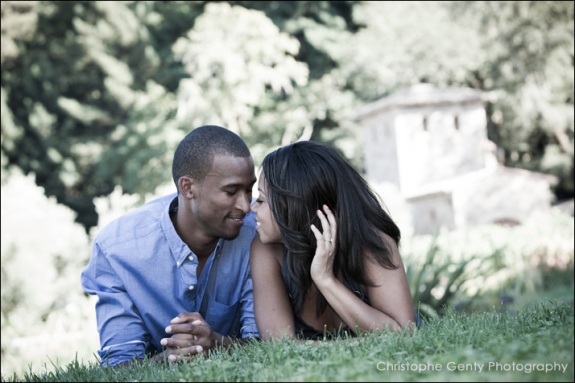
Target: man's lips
pixel 237 219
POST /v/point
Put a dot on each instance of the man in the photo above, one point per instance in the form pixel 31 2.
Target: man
pixel 179 265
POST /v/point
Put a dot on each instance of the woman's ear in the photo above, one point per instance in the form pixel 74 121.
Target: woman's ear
pixel 186 186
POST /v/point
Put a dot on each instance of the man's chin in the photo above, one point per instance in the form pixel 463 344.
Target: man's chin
pixel 230 236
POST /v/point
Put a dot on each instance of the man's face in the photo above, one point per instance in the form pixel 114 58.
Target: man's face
pixel 223 198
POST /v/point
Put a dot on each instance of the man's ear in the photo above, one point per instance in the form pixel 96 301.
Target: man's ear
pixel 186 186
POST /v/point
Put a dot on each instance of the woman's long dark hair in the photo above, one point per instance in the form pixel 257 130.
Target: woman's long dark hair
pixel 301 178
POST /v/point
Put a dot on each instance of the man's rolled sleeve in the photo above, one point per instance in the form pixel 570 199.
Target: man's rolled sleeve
pixel 117 353
pixel 122 333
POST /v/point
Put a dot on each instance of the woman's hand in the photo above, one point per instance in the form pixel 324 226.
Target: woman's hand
pixel 322 264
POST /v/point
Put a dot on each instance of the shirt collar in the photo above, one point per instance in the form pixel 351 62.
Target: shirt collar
pixel 180 251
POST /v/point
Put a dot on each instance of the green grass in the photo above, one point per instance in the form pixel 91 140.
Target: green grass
pixel 533 344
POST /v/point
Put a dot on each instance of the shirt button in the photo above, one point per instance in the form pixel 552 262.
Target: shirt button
pixel 191 287
pixel 178 263
pixel 191 258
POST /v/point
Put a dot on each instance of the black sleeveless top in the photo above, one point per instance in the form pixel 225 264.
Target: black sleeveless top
pixel 304 330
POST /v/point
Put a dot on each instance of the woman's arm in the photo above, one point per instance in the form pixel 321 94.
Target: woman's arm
pixel 391 304
pixel 390 294
pixel 274 315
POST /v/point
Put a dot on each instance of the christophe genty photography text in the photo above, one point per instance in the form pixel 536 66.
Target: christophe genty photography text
pixel 479 367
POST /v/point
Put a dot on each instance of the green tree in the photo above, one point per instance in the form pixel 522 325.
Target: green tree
pixel 233 57
pixel 529 60
pixel 86 108
pixel 322 109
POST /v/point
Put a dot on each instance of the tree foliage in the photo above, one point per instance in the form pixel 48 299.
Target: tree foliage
pixel 529 56
pixel 86 110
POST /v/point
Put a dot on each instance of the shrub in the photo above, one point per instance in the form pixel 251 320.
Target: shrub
pixel 463 269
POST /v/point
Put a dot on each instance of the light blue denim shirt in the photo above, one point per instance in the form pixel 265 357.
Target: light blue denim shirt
pixel 144 275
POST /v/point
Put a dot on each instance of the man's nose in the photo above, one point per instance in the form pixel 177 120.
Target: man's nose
pixel 244 203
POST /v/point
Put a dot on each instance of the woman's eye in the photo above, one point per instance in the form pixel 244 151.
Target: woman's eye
pixel 259 200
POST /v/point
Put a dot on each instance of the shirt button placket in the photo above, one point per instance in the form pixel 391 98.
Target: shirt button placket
pixel 191 259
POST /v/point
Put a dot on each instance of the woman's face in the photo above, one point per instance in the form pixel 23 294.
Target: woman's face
pixel 267 226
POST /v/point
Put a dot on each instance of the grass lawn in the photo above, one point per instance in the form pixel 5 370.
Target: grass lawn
pixel 535 343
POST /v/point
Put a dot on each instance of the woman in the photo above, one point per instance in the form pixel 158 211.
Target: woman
pixel 325 261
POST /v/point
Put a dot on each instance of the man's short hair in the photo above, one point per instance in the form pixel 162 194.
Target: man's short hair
pixel 195 154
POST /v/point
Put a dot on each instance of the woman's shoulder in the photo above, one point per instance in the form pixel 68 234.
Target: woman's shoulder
pixel 390 254
pixel 267 250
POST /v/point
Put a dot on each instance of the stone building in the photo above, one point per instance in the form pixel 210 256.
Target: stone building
pixel 430 146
